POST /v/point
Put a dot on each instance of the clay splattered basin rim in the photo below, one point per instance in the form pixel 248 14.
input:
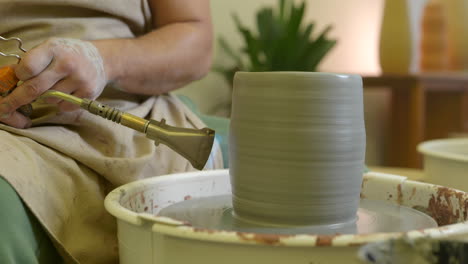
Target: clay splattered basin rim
pixel 429 198
pixel 438 148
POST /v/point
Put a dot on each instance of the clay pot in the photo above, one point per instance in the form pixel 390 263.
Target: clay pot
pixel 458 33
pixel 297 144
pixel 434 38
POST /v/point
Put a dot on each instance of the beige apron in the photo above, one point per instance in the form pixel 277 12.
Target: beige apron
pixel 63 167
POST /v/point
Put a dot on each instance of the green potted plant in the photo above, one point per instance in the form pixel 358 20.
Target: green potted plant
pixel 281 42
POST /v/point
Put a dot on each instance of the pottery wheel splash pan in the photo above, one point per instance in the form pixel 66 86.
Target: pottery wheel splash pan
pixel 147 238
pixel 216 213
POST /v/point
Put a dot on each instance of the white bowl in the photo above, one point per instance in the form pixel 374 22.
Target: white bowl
pixel 446 162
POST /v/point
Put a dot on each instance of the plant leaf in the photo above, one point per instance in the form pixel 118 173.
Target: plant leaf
pixel 268 34
pixel 318 50
pixel 299 54
pixel 282 9
pixel 275 44
pixel 295 20
pixel 292 38
pixel 283 43
pixel 251 45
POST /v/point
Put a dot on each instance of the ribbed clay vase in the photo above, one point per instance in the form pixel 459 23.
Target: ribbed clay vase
pixel 297 144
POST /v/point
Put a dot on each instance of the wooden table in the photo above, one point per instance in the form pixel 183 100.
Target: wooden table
pixel 411 174
pixel 423 107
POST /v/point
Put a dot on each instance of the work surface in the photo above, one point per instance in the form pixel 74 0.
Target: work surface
pixel 412 174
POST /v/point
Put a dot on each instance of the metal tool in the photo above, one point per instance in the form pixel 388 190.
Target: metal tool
pixel 193 144
pixel 20 47
pixel 8 79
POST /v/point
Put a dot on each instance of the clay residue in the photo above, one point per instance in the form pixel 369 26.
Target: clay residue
pixel 357 244
pixel 131 199
pixel 324 240
pixel 399 195
pixel 187 197
pixel 142 197
pixel 443 209
pixel 465 210
pixel 203 230
pixel 267 239
pixel 364 180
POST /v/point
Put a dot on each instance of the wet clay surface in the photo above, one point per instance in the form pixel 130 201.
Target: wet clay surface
pixel 307 179
pixel 215 213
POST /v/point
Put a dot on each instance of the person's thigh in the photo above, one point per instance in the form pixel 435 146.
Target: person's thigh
pixel 22 238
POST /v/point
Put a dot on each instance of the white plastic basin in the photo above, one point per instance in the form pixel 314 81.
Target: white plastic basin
pixel 144 238
pixel 446 162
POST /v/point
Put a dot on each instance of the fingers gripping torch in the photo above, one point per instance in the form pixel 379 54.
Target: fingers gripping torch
pixel 193 144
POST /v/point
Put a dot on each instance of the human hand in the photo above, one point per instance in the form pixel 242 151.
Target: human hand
pixel 67 65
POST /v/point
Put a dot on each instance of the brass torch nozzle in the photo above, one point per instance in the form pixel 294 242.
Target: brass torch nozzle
pixel 193 144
